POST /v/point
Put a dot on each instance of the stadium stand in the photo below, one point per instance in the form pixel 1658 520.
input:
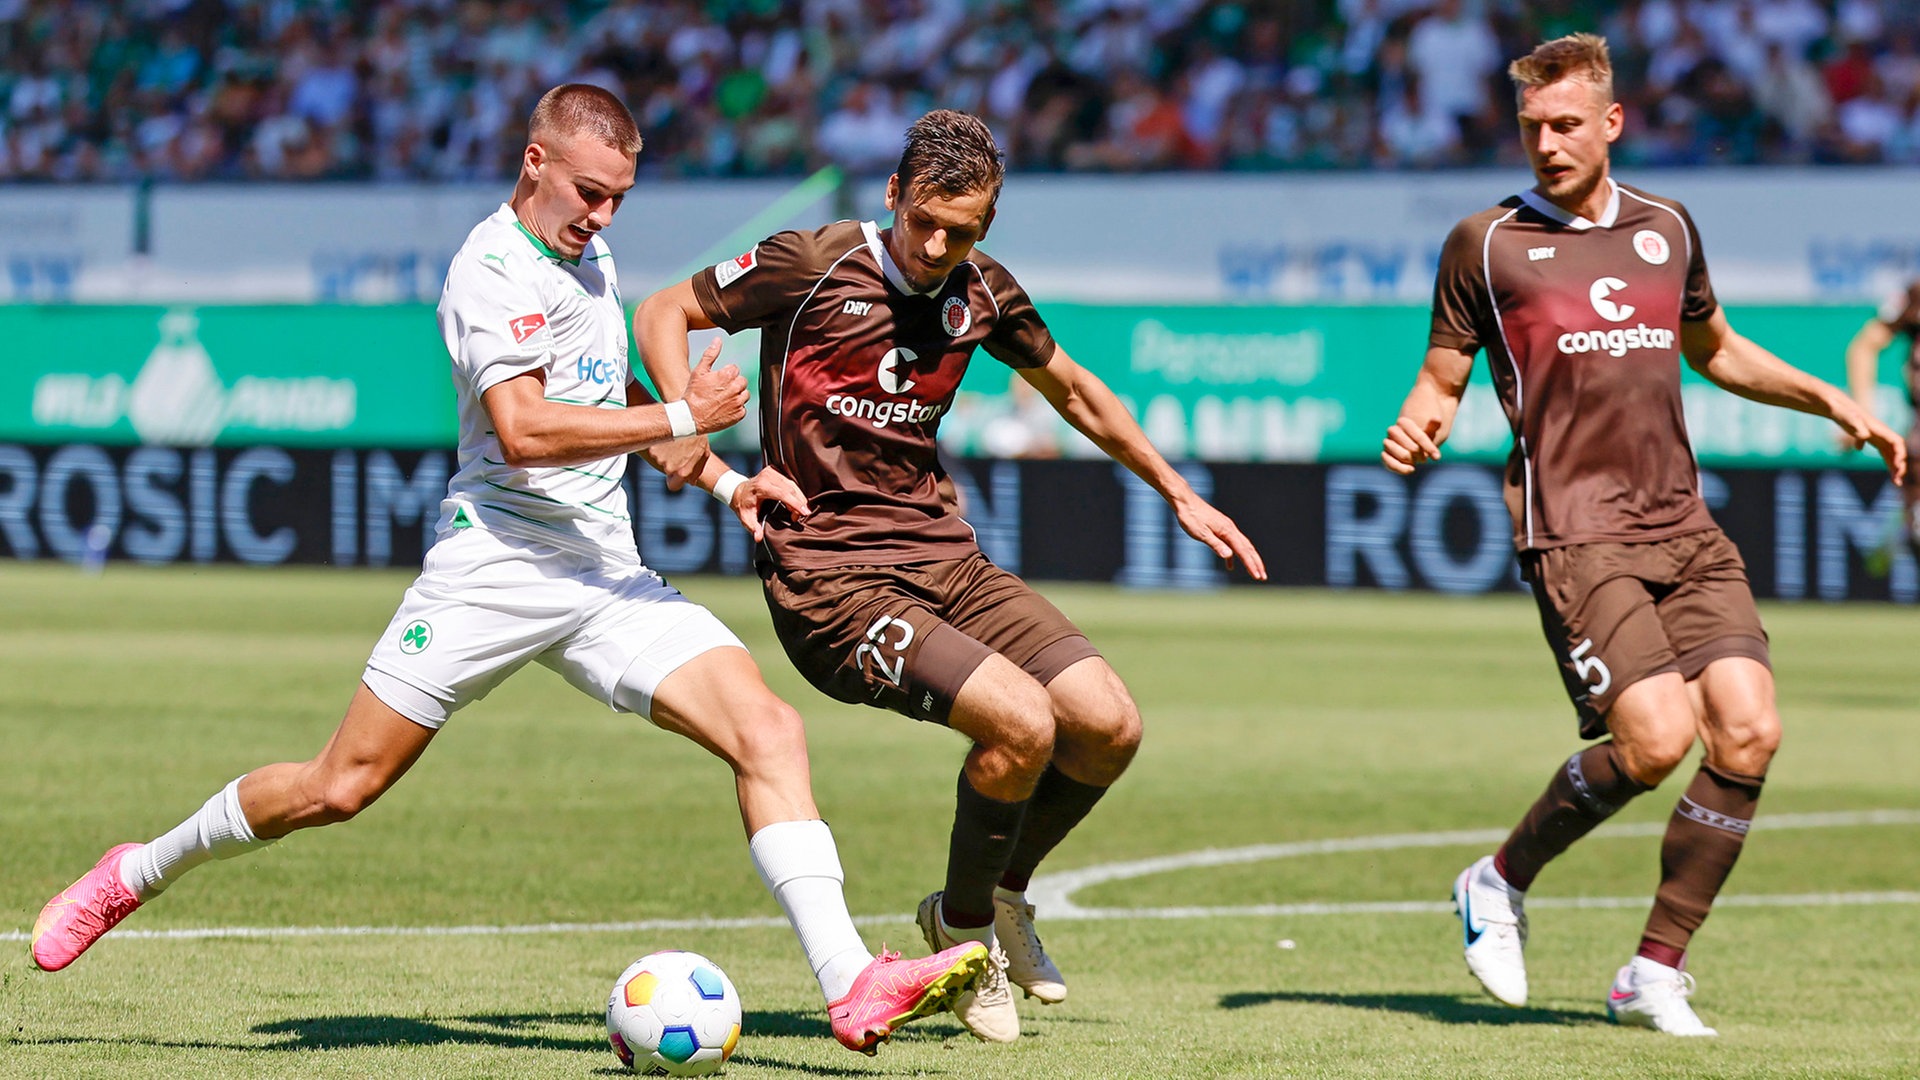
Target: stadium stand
pixel 183 90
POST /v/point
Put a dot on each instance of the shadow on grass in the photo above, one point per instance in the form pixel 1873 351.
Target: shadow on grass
pixel 348 1032
pixel 524 1031
pixel 1442 1008
pixel 809 1024
pixel 496 1029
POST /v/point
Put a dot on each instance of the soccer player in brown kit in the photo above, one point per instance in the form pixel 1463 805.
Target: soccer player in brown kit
pixel 1900 315
pixel 1585 294
pixel 880 594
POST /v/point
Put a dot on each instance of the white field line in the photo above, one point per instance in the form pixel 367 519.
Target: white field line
pixel 1053 893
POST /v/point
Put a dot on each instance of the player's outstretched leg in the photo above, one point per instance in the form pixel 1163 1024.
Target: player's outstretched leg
pixel 1097 732
pixel 868 997
pixel 719 700
pixel 371 749
pixel 890 992
pixel 1008 715
pixel 83 911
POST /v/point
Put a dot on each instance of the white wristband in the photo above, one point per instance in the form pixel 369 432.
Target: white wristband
pixel 728 483
pixel 680 419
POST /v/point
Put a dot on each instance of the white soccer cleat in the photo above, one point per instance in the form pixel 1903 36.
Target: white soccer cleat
pixel 987 1008
pixel 1647 993
pixel 1496 931
pixel 1027 962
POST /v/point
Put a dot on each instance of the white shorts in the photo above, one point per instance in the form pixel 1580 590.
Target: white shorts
pixel 486 603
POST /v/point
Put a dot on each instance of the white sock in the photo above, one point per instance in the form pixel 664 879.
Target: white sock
pixel 1642 969
pixel 1017 898
pixel 957 934
pixel 801 868
pixel 218 830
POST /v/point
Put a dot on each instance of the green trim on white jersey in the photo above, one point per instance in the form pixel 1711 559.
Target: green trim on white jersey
pixel 546 250
pixel 513 307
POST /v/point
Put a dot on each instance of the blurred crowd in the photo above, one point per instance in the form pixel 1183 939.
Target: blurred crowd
pixel 440 89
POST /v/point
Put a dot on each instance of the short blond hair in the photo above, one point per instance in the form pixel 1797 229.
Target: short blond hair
pixel 1576 56
pixel 586 110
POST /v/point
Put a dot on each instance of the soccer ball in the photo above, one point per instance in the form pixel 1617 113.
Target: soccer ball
pixel 673 1014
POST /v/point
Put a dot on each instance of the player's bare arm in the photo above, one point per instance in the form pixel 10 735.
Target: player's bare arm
pixel 1863 365
pixel 1740 365
pixel 1091 407
pixel 660 327
pixel 747 497
pixel 536 432
pixel 1426 418
pixel 749 494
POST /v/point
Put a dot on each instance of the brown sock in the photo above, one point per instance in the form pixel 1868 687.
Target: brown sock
pixel 1585 792
pixel 1704 837
pixel 1058 804
pixel 984 832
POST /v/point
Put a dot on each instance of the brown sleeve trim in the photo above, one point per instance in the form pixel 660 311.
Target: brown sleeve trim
pixel 705 292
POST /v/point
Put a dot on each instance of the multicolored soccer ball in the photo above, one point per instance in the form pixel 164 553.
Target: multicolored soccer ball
pixel 673 1014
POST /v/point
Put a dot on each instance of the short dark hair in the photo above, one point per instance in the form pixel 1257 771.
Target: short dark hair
pixel 584 109
pixel 952 153
pixel 1576 56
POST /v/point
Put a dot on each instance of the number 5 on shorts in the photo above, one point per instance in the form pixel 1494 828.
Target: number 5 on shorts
pixel 1589 666
pixel 877 640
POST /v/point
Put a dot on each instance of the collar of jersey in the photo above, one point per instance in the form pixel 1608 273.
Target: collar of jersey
pixel 1574 221
pixel 541 245
pixel 894 277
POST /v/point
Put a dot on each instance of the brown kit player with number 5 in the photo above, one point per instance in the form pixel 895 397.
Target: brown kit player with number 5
pixel 1585 295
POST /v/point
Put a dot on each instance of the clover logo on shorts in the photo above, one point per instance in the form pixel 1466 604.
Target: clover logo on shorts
pixel 416 637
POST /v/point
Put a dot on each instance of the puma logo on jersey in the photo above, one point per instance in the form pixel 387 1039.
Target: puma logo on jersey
pixel 1536 254
pixel 856 307
pixel 526 326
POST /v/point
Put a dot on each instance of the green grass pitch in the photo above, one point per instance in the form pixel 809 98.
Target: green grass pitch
pixel 1272 717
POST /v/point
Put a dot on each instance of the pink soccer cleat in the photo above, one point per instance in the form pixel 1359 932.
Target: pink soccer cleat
pixel 72 921
pixel 890 992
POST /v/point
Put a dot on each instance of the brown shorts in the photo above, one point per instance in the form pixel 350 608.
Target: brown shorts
pixel 1618 613
pixel 906 637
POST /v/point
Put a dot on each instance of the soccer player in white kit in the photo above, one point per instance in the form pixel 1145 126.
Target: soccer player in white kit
pixel 535 560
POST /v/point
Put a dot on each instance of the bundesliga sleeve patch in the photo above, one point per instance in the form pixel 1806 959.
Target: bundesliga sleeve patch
pixel 730 271
pixel 526 326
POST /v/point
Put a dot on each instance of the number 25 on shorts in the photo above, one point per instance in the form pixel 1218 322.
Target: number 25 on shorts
pixel 878 638
pixel 1591 669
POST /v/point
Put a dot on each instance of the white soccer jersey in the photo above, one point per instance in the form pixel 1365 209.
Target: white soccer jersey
pixel 514 305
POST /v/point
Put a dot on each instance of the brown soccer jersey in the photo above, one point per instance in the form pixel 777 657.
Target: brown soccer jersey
pixel 1581 324
pixel 1902 313
pixel 856 369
